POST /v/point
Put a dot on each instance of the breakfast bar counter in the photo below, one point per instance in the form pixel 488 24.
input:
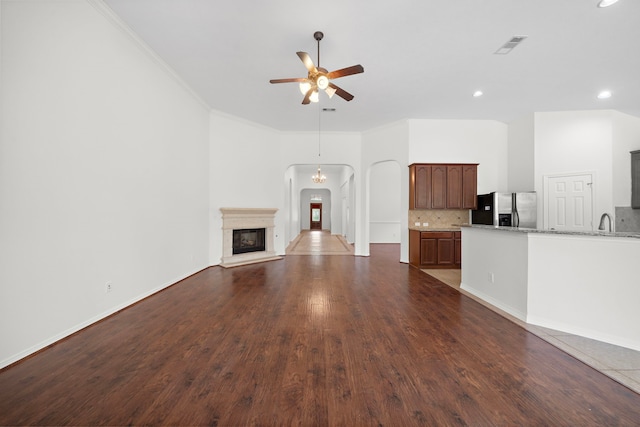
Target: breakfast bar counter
pixel 582 283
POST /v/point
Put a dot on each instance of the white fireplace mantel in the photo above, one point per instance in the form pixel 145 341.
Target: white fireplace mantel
pixel 246 218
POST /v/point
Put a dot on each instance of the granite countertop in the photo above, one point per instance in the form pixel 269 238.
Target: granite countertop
pixel 635 235
pixel 453 227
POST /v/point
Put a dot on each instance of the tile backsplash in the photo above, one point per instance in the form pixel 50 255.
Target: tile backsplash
pixel 627 219
pixel 439 218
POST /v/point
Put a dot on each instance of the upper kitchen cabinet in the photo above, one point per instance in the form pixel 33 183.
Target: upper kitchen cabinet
pixel 420 178
pixel 438 187
pixel 469 186
pixel 442 186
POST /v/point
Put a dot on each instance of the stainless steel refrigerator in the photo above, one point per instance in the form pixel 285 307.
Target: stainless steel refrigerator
pixel 507 209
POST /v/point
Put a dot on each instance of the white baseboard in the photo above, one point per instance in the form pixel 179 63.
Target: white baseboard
pixel 64 334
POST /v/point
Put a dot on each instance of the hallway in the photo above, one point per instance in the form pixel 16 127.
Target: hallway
pixel 319 242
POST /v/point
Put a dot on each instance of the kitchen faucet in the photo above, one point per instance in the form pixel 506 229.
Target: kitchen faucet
pixel 601 226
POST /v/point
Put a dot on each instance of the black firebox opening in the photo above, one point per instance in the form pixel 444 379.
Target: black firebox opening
pixel 248 240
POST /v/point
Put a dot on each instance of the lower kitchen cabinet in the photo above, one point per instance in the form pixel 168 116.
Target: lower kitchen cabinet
pixel 434 249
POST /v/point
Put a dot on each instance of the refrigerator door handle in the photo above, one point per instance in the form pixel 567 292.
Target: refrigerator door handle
pixel 514 208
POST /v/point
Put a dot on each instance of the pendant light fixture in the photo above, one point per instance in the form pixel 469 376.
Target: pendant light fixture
pixel 318 178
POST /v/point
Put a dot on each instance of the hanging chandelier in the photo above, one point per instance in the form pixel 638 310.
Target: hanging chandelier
pixel 318 178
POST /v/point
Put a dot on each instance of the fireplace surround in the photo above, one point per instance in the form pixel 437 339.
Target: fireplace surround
pixel 248 220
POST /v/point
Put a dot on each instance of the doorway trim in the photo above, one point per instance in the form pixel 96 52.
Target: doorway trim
pixel 312 224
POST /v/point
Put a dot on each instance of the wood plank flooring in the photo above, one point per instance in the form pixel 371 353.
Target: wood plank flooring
pixel 620 363
pixel 312 341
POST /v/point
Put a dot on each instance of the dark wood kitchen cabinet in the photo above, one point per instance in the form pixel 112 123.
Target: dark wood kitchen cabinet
pixel 469 186
pixel 439 187
pixel 420 187
pixel 434 249
pixel 454 186
pixel 442 186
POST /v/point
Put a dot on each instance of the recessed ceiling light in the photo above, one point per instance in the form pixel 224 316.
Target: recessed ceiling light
pixel 477 93
pixel 606 3
pixel 604 94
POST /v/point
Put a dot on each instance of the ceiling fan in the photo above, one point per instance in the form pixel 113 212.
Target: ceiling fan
pixel 319 78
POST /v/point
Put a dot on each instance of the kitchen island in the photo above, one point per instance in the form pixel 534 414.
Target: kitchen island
pixel 582 283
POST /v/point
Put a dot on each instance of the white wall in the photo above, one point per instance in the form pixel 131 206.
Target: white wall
pixel 495 268
pixel 348 202
pixel 626 138
pixel 385 214
pixel 103 173
pixel 251 167
pixel 587 286
pixel 463 141
pixel 521 155
pixel 388 143
pixel 242 175
pixel 574 142
pixel 336 148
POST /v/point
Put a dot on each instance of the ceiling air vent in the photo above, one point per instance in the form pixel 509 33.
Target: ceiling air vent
pixel 508 46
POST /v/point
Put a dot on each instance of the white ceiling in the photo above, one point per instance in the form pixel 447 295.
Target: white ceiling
pixel 423 59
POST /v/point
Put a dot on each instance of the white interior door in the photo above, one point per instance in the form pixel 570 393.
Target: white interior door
pixel 569 203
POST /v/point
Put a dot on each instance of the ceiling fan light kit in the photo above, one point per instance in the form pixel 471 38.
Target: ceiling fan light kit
pixel 323 82
pixel 319 78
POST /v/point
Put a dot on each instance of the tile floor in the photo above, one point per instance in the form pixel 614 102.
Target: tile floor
pixel 621 364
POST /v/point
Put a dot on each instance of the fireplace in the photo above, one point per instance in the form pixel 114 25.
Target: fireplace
pixel 248 240
pixel 247 236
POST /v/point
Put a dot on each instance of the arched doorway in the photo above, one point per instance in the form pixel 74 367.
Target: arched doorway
pixel 336 194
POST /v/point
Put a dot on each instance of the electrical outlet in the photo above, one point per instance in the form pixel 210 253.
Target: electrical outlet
pixel 425 224
pixel 417 224
pixel 491 277
pixel 108 287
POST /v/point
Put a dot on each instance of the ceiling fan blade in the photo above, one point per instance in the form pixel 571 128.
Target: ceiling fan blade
pixel 306 60
pixel 341 92
pixel 307 97
pixel 293 80
pixel 354 69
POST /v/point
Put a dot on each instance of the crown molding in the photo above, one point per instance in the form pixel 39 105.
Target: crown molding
pixel 118 23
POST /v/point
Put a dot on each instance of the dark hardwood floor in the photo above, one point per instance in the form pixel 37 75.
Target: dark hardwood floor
pixel 312 341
